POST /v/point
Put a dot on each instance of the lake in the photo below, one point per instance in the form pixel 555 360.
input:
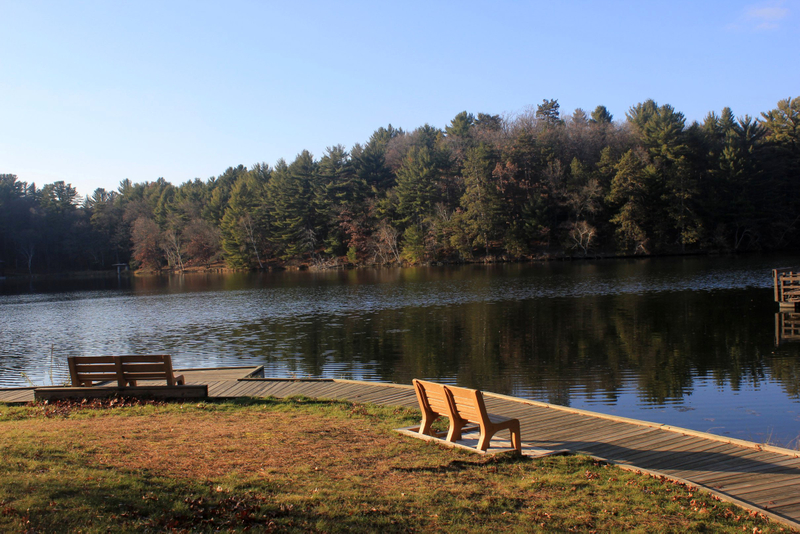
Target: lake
pixel 687 341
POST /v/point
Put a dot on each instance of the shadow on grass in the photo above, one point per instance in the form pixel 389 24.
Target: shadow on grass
pixel 461 465
pixel 140 504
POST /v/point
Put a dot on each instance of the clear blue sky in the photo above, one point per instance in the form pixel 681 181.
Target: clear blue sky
pixel 92 92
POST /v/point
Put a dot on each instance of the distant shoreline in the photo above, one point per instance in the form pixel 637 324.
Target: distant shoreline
pixel 222 268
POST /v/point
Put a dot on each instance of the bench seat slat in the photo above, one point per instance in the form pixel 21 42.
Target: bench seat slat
pixel 91 359
pixel 96 377
pixel 98 368
pixel 93 376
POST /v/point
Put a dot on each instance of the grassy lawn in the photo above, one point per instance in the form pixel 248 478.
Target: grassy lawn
pixel 302 465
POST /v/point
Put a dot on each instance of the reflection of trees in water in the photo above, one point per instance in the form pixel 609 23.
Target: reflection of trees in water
pixel 657 344
pixel 665 341
pixel 786 371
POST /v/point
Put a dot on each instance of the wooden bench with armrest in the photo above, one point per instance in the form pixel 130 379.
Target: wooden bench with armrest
pixel 463 407
pixel 126 370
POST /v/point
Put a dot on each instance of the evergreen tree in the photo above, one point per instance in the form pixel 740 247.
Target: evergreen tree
pixel 220 192
pixel 290 192
pixel 548 112
pixel 489 122
pixel 782 164
pixel 461 125
pixel 245 223
pixel 482 202
pixel 661 133
pixel 338 190
pixel 600 115
pixel 783 125
pixel 630 196
pixel 416 187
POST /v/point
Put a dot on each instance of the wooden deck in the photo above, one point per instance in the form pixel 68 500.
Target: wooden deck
pixel 755 476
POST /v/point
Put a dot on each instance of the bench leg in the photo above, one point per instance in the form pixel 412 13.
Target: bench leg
pixel 513 429
pixel 486 437
pixel 454 432
pixel 516 436
pixel 457 427
pixel 425 425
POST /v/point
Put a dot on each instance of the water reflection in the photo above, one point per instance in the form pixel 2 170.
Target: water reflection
pixel 681 341
pixel 787 328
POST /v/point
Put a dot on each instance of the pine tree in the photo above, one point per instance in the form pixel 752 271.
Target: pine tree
pixel 338 189
pixel 245 224
pixel 600 115
pixel 481 201
pixel 290 194
pixel 661 132
pixel 782 164
pixel 548 112
pixel 630 199
pixel 416 186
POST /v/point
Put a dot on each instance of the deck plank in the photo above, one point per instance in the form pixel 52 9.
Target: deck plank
pixel 223 387
pixel 23 395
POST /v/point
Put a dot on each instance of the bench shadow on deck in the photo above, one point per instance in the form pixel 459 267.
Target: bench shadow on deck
pixel 758 477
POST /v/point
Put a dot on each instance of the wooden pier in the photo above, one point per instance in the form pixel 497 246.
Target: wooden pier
pixel 757 477
pixel 787 288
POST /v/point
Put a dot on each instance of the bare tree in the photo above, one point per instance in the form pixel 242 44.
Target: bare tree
pixel 582 235
pixel 27 248
pixel 386 243
pixel 584 199
pixel 171 246
pixel 246 221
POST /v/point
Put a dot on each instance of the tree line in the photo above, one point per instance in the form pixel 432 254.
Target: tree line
pixel 484 188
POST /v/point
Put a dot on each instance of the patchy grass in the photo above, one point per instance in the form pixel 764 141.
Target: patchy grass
pixel 303 465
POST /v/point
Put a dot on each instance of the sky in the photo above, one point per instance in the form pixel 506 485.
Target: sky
pixel 94 92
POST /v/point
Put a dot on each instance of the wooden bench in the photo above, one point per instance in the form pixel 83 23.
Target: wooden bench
pixel 126 370
pixel 463 407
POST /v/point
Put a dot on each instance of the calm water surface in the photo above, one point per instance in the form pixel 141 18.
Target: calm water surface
pixel 683 341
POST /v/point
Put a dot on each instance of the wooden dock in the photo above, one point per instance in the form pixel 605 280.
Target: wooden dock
pixel 787 288
pixel 757 477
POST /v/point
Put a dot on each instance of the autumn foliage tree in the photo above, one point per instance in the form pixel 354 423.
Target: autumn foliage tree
pixel 145 239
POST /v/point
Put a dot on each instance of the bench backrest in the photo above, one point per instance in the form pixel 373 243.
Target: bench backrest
pixel 432 397
pixel 148 367
pixel 467 404
pixel 85 370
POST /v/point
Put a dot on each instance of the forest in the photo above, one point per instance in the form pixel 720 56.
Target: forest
pixel 539 184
